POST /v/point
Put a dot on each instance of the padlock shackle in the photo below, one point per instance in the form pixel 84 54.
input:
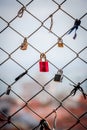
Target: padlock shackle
pixel 60 71
pixel 42 56
pixel 25 40
pixel 60 40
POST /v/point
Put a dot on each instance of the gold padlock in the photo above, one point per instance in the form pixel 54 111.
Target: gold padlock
pixel 24 45
pixel 60 42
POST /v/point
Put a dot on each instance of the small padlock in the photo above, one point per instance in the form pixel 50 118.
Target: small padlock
pixel 60 42
pixel 44 125
pixel 24 44
pixel 8 90
pixel 59 76
pixel 43 63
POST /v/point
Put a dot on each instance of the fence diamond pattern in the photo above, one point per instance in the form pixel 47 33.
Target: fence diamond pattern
pixel 36 95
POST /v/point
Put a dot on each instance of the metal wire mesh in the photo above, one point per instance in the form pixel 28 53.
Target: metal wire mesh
pixel 40 98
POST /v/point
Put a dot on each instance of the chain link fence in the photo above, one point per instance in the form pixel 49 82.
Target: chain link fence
pixel 27 96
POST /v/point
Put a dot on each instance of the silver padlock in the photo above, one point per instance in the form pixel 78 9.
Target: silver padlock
pixel 59 76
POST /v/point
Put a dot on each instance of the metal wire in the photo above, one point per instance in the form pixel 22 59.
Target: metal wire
pixel 42 87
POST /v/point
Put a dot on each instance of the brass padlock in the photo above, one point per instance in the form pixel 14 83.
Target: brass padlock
pixel 59 76
pixel 60 42
pixel 24 45
pixel 43 63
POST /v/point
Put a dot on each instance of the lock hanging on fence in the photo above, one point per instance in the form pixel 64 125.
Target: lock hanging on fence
pixel 8 90
pixel 59 76
pixel 43 63
pixel 60 42
pixel 44 125
pixel 24 45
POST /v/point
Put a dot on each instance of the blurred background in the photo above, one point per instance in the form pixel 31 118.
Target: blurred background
pixel 24 102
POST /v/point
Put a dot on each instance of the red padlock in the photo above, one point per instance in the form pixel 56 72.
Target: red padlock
pixel 43 63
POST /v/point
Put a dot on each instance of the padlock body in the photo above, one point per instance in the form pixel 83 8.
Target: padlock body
pixel 43 66
pixel 24 46
pixel 60 44
pixel 57 78
pixel 8 92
